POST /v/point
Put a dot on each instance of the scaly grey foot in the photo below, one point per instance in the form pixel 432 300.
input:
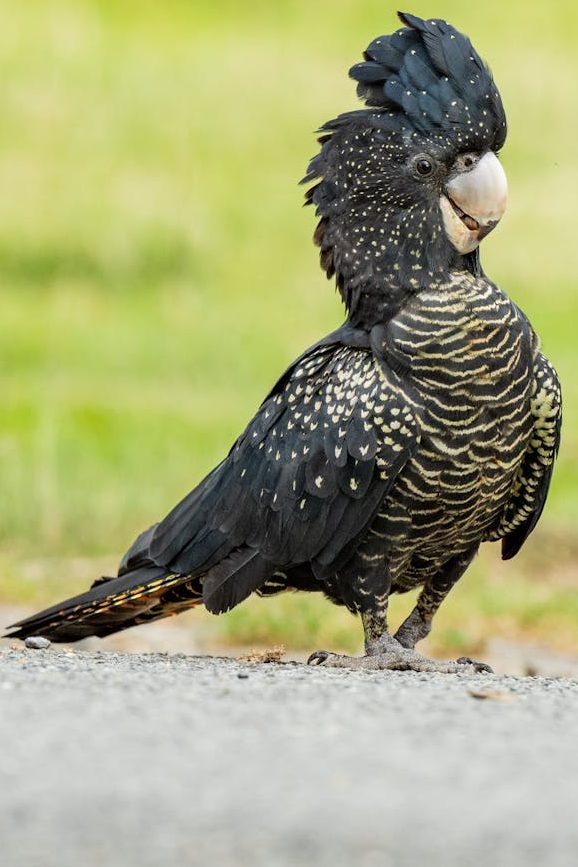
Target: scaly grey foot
pixel 398 660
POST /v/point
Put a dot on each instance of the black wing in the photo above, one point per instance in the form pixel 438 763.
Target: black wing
pixel 532 480
pixel 301 484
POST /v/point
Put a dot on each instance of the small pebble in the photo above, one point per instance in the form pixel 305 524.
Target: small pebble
pixel 37 642
pixel 494 694
pixel 242 676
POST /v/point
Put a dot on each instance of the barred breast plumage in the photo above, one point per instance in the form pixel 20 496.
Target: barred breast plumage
pixel 470 355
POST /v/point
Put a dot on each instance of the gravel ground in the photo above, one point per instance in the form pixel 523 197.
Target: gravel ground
pixel 117 759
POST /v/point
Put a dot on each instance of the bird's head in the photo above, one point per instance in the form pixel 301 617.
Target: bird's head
pixel 408 187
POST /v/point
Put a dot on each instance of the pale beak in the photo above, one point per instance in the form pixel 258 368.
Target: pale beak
pixel 474 202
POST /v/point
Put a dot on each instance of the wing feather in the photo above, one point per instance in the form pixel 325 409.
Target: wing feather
pixel 532 480
pixel 302 483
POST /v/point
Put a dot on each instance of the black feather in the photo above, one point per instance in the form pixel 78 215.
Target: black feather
pixel 425 68
pixel 90 612
pixel 381 51
pixel 233 579
pixel 367 72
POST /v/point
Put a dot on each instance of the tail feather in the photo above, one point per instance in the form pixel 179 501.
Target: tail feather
pixel 112 605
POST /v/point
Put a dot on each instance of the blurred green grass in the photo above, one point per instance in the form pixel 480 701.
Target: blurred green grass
pixel 157 272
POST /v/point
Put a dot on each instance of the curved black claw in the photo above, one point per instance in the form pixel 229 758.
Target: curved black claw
pixel 318 658
pixel 480 667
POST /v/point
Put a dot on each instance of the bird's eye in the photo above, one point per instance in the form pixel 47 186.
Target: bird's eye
pixel 423 166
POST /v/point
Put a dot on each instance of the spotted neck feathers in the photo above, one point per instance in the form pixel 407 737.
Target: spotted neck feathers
pixel 382 239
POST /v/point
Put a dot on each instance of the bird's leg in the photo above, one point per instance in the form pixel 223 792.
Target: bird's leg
pixel 417 624
pixel 384 651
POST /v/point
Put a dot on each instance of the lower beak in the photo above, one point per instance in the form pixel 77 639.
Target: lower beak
pixel 474 202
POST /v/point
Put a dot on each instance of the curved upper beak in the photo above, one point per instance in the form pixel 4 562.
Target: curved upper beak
pixel 474 202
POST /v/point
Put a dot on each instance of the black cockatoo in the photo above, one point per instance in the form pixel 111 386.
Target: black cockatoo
pixel 427 424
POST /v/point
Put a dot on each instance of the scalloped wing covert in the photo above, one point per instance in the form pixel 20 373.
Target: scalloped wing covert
pixel 301 484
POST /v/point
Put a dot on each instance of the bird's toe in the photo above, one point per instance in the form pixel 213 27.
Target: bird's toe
pixel 318 658
pixel 479 667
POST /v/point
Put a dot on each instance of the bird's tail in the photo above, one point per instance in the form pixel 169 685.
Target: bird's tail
pixel 111 604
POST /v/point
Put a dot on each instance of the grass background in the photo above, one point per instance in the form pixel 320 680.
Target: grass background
pixel 157 273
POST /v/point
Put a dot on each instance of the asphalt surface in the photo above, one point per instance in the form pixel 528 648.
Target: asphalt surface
pixel 119 759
